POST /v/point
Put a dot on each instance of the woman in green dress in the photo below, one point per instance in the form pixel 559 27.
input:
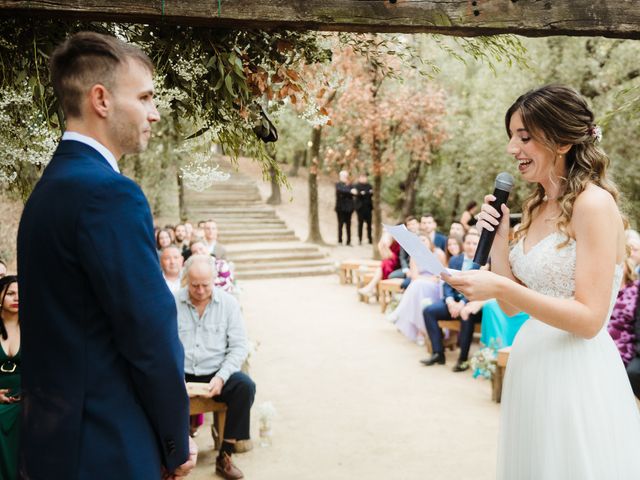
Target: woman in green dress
pixel 9 378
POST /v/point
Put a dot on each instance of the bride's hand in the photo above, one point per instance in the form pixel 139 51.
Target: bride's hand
pixel 476 284
pixel 488 218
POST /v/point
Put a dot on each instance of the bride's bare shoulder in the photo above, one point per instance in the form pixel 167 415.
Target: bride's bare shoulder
pixel 595 200
pixel 595 209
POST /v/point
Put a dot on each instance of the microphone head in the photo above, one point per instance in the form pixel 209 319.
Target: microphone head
pixel 504 182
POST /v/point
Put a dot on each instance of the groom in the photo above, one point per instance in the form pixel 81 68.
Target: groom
pixel 103 383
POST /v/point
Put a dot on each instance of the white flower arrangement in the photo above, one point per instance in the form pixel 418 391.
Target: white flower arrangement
pixel 483 362
pixel 266 412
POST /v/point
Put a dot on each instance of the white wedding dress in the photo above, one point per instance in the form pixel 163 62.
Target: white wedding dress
pixel 568 411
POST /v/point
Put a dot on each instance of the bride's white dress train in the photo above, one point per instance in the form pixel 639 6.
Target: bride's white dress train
pixel 568 411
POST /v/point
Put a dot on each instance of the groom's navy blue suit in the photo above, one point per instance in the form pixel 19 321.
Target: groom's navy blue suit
pixel 102 373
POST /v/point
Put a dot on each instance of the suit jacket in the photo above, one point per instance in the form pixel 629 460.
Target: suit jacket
pixel 440 241
pixel 363 201
pixel 344 198
pixel 102 370
pixel 448 291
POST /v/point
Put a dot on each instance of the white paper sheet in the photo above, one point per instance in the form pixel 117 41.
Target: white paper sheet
pixel 424 258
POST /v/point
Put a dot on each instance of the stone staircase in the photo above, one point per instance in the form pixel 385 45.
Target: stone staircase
pixel 258 242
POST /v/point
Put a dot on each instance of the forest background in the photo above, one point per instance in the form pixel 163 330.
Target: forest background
pixel 423 114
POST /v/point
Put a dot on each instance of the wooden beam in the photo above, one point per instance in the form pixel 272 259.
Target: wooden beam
pixel 609 18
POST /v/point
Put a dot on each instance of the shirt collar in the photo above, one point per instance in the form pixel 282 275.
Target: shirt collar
pixel 92 142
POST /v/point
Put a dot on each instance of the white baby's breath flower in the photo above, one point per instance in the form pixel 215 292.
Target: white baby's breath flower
pixel 200 174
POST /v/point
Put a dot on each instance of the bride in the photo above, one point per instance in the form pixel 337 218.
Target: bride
pixel 568 412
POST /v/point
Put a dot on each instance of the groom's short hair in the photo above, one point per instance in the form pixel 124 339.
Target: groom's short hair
pixel 86 59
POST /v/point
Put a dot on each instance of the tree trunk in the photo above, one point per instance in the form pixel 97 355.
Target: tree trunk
pixel 314 219
pixel 158 197
pixel 456 194
pixel 410 189
pixel 297 159
pixel 138 170
pixel 276 197
pixel 182 208
pixel 377 186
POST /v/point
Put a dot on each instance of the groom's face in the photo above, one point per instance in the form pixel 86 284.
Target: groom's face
pixel 133 109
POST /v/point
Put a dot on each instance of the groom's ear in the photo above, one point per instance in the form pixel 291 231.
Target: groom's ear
pixel 99 100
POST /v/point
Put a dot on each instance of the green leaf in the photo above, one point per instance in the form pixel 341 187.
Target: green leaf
pixel 228 82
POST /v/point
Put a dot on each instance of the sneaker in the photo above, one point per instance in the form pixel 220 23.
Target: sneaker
pixel 391 317
pixel 365 292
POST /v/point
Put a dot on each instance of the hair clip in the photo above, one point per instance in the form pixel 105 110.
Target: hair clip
pixel 596 132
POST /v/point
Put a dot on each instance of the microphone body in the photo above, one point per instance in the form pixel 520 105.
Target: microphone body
pixel 504 184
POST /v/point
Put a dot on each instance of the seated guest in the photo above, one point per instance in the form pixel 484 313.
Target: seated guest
pixel 456 230
pixel 211 240
pixel 429 227
pixel 423 290
pixel 188 231
pixel 454 305
pixel 633 243
pixel 454 247
pixel 171 263
pixel 497 327
pixel 414 227
pixel 215 344
pixel 468 216
pixel 389 252
pixel 181 238
pixel 163 240
pixel 9 378
pixel 621 325
pixel 414 272
pixel 224 275
pixel 633 368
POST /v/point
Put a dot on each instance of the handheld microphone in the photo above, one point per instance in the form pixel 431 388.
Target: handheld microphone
pixel 504 184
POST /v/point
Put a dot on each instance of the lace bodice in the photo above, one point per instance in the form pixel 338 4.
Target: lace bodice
pixel 551 271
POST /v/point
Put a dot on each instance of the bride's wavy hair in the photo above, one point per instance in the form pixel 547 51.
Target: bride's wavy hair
pixel 557 115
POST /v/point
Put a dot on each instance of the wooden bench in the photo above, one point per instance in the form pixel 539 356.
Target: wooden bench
pixel 498 375
pixel 199 405
pixel 454 327
pixel 386 289
pixel 349 268
pixel 364 279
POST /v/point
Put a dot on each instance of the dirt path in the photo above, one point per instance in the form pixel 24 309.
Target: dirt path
pixel 353 400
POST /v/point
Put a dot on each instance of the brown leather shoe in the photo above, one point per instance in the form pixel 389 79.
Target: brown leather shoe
pixel 226 469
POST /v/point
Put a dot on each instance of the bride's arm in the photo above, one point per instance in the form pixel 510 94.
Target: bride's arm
pixel 595 223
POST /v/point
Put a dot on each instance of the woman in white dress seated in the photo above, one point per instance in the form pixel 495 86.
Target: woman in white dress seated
pixel 423 290
pixel 568 412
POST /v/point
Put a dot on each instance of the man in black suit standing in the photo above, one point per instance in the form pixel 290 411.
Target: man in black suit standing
pixel 363 191
pixel 344 205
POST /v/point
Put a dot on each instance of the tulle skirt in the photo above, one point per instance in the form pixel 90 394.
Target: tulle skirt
pixel 568 411
pixel 420 293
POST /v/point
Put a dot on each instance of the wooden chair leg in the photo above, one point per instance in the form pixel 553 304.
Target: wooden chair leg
pixel 217 428
pixel 496 383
